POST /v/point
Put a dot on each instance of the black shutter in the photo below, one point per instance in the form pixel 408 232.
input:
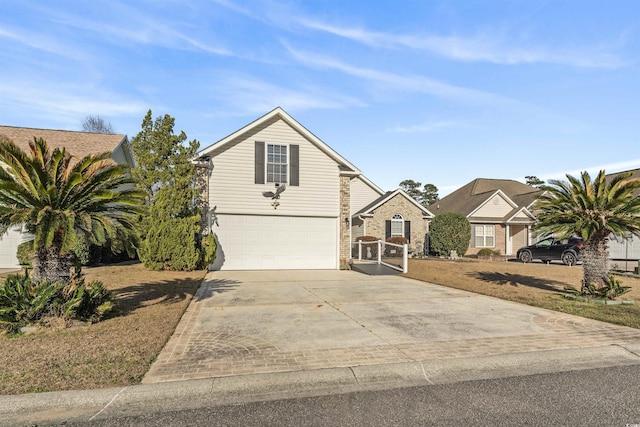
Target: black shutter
pixel 387 229
pixel 407 230
pixel 259 163
pixel 294 167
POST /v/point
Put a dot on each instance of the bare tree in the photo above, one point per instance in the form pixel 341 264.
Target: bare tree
pixel 96 124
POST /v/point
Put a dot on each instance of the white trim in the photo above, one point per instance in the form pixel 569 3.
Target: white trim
pixel 400 191
pixel 484 235
pixel 266 162
pixel 524 211
pixel 496 193
pixel 396 220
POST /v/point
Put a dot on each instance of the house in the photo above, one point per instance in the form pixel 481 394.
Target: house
pixel 394 213
pixel 79 144
pixel 281 198
pixel 499 210
pixel 626 250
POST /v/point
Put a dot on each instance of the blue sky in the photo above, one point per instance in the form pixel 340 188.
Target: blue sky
pixel 441 92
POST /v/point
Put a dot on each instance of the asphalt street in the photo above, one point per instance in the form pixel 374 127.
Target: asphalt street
pixel 596 397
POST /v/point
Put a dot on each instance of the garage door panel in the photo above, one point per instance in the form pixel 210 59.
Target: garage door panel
pixel 275 242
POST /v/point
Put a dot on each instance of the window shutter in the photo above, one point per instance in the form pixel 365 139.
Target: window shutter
pixel 407 230
pixel 259 163
pixel 294 167
pixel 387 229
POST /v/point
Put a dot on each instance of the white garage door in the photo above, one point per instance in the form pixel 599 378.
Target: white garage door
pixel 248 242
pixel 9 246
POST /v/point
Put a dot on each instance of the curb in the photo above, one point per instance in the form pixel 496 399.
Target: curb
pixel 88 405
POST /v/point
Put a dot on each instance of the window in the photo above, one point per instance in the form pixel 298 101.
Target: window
pixel 277 163
pixel 484 236
pixel 397 225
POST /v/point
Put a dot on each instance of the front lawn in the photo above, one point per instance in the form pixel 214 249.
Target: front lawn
pixel 117 351
pixel 536 284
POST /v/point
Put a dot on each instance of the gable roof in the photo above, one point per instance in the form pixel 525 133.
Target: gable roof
pixel 635 173
pixel 478 192
pixel 78 144
pixel 278 113
pixel 368 210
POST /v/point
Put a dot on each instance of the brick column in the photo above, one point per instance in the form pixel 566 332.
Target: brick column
pixel 345 212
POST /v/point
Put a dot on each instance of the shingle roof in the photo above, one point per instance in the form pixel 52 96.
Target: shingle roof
pixel 635 174
pixel 469 197
pixel 78 144
pixel 387 196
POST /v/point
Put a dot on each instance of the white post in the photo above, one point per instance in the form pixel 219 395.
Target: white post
pixel 359 250
pixel 405 258
pixel 379 251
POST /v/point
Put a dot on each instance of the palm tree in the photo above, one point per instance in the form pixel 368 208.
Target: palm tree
pixel 57 198
pixel 594 210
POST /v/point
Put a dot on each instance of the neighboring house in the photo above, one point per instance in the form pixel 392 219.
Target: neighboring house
pixel 309 225
pixel 79 144
pixel 394 213
pixel 499 210
pixel 625 249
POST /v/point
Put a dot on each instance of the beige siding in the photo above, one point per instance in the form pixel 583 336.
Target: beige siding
pixel 361 195
pixel 521 216
pixel 491 209
pixel 357 229
pixel 232 187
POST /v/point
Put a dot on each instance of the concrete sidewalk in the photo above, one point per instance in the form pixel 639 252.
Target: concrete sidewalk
pixel 265 335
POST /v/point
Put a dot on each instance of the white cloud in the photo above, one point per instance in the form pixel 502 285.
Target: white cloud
pixel 482 47
pixel 253 96
pixel 407 83
pixel 64 102
pixel 43 43
pixel 593 170
pixel 430 126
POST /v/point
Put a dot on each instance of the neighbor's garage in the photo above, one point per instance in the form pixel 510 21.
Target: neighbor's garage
pixel 261 242
pixel 9 246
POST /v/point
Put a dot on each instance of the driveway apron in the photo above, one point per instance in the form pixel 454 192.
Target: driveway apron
pixel 253 322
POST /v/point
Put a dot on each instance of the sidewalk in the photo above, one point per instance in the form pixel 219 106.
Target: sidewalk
pixel 251 336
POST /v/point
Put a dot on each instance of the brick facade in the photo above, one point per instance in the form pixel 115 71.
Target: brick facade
pixel 399 204
pixel 345 214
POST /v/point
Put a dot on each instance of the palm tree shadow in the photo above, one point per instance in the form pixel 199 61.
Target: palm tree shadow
pixel 519 280
pixel 130 298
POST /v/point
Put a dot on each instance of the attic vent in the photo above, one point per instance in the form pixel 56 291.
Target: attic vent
pixel 496 200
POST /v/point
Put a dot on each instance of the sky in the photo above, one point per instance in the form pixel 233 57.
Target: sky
pixel 440 92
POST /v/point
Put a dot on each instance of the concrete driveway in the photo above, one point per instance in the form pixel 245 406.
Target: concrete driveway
pixel 262 322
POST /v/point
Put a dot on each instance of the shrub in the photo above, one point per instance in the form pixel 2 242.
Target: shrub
pixel 397 240
pixel 449 232
pixel 369 251
pixel 209 248
pixel 25 253
pixel 391 251
pixel 81 249
pixel 488 252
pixel 23 302
pixel 174 244
pixel 611 290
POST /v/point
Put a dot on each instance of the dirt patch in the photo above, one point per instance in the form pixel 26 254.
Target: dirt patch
pixel 536 284
pixel 117 351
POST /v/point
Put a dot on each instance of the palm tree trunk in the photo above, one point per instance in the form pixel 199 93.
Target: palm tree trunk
pixel 594 262
pixel 50 265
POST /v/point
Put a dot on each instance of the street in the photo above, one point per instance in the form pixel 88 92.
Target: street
pixel 599 397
